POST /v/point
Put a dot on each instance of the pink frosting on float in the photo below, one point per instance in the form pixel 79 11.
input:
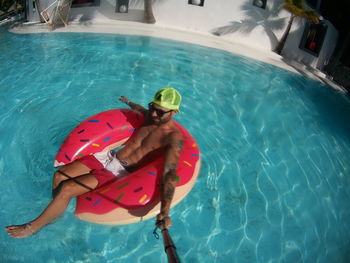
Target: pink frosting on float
pixel 136 190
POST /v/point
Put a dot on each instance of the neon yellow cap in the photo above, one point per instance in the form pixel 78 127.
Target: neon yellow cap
pixel 168 98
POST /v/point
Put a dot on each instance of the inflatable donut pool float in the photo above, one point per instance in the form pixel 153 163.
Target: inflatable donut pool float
pixel 135 197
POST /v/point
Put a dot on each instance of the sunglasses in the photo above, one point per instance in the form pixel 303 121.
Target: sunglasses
pixel 160 113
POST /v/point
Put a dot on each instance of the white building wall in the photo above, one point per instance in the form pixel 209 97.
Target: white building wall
pixel 293 52
pixel 235 20
pixel 106 11
pixel 248 22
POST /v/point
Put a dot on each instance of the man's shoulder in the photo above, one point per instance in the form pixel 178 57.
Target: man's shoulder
pixel 175 134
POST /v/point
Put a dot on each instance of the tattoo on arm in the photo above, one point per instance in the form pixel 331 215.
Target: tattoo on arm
pixel 170 171
pixel 169 191
pixel 168 181
pixel 178 145
pixel 168 187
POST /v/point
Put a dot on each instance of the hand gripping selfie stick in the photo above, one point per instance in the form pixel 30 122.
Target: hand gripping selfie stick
pixel 169 245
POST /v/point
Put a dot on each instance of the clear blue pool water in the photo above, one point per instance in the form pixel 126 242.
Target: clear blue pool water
pixel 274 186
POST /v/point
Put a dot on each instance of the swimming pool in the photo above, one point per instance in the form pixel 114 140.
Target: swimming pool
pixel 274 182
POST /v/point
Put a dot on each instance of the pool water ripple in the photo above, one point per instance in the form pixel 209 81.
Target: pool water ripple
pixel 274 184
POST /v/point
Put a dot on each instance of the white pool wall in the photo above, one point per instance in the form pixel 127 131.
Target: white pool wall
pixel 256 27
pixel 176 19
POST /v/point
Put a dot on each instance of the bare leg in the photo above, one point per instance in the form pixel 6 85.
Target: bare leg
pixel 74 169
pixel 59 204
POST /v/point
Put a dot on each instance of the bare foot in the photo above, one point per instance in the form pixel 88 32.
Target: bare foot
pixel 20 231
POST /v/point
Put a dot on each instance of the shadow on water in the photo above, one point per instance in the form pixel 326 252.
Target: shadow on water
pixel 334 109
pixel 332 106
pixel 346 256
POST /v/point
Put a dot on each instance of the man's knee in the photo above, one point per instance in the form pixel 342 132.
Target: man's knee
pixel 68 189
pixel 58 178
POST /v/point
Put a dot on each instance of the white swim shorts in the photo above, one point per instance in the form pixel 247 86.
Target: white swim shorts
pixel 111 163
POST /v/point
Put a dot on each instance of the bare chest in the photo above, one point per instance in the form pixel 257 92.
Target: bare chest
pixel 149 138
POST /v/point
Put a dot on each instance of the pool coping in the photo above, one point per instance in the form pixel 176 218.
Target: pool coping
pixel 193 37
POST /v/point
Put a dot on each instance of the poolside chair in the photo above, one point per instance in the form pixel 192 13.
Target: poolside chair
pixel 57 13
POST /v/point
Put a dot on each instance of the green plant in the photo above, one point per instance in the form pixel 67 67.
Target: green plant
pixel 297 8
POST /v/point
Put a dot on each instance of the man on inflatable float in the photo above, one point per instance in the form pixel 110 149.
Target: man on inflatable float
pixel 158 132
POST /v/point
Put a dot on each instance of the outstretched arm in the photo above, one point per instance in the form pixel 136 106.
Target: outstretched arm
pixel 132 105
pixel 169 177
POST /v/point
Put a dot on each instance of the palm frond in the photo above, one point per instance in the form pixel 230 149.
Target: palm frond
pixel 276 8
pixel 245 26
pixel 298 3
pixel 229 29
pixel 297 8
pixel 276 24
